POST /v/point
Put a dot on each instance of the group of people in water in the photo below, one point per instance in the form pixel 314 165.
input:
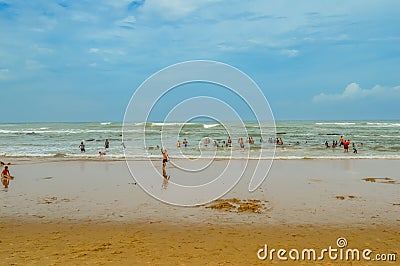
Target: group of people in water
pixel 344 143
pixel 82 147
pixel 277 141
pixel 219 143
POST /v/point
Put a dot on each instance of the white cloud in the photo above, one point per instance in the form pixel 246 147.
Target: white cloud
pixel 119 3
pixel 226 48
pixel 83 17
pixel 116 52
pixel 173 9
pixel 353 91
pixel 290 52
pixel 127 22
pixel 94 50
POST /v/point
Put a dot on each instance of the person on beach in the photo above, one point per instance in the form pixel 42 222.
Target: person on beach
pixel 82 147
pixel 178 144
pixel 185 143
pixel 101 153
pixel 229 141
pixel 165 158
pixel 106 144
pixel 326 144
pixel 5 177
pixel 2 163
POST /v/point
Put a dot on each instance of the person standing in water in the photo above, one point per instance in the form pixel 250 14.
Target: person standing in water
pixel 354 148
pixel 82 147
pixel 346 145
pixel 106 144
pixel 241 143
pixel 341 141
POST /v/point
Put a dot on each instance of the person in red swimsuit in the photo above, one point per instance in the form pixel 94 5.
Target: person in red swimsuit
pixel 346 145
pixel 5 174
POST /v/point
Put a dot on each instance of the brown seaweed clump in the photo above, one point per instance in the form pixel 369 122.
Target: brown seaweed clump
pixel 239 206
pixel 370 179
pixel 385 180
pixel 221 205
pixel 250 207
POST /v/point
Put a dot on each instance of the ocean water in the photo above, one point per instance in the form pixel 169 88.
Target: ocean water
pixel 301 139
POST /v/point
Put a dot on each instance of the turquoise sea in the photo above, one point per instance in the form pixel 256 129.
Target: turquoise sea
pixel 301 139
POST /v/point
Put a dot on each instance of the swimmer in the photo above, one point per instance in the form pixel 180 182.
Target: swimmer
pixel 341 141
pixel 106 144
pixel 229 141
pixel 354 148
pixel 346 145
pixel 241 143
pixel 82 147
pixel 326 144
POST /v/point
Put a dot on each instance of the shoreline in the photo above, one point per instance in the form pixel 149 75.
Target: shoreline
pixel 119 159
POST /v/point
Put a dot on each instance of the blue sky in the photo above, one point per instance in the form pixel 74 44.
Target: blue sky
pixel 82 60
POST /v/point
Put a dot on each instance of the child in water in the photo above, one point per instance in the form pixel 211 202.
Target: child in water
pixel 82 147
pixel 354 148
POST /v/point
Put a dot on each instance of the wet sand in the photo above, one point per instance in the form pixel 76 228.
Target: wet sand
pixel 92 212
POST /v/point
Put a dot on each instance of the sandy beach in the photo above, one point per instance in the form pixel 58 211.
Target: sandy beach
pixel 91 212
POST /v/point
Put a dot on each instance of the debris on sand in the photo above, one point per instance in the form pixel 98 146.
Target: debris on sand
pixel 239 206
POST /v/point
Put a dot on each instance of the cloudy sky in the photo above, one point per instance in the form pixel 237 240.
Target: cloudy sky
pixel 83 60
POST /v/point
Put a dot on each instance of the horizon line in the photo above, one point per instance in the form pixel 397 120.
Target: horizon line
pixel 200 121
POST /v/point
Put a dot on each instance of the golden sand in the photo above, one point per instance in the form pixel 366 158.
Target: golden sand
pixel 100 243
